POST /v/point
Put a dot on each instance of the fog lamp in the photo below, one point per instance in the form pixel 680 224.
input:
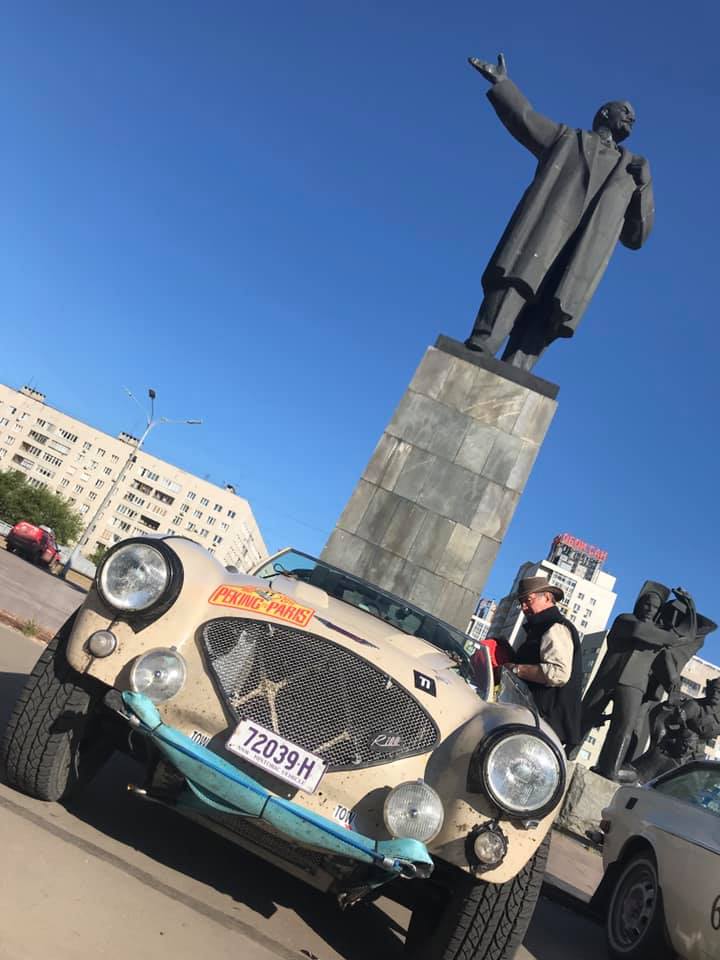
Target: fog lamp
pixel 102 643
pixel 413 811
pixel 159 674
pixel 486 846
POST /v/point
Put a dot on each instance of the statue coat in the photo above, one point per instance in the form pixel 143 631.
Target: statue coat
pixel 565 228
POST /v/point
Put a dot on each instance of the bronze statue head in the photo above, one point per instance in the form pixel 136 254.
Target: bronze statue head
pixel 617 116
pixel 647 606
pixel 712 691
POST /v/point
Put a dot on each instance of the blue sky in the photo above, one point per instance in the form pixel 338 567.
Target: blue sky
pixel 268 211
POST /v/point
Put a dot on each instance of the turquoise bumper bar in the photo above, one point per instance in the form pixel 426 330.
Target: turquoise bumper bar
pixel 222 786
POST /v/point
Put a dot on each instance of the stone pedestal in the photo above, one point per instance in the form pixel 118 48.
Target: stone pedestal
pixel 585 799
pixel 436 499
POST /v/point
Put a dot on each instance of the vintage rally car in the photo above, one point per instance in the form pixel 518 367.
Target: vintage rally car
pixel 661 851
pixel 314 720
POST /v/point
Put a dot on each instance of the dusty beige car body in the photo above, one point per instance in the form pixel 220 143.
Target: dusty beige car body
pixel 209 591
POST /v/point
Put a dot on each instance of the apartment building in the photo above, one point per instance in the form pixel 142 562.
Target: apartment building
pixel 82 463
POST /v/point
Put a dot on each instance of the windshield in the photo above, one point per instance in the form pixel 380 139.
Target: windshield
pixel 398 613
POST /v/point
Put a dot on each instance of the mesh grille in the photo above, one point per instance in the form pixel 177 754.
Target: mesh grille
pixel 314 693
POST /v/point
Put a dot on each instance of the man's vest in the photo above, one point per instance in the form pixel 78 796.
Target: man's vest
pixel 560 706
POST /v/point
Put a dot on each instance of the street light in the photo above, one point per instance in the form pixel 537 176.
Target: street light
pixel 151 423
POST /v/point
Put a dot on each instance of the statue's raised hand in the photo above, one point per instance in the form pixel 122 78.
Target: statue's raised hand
pixel 493 73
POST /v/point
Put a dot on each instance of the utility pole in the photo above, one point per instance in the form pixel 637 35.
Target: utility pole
pixel 151 423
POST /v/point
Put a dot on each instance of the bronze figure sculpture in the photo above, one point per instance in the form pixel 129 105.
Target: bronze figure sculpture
pixel 587 193
pixel 647 649
pixel 681 727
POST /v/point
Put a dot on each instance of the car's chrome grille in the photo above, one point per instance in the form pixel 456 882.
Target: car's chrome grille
pixel 315 693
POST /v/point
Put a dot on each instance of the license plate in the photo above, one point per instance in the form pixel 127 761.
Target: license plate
pixel 277 755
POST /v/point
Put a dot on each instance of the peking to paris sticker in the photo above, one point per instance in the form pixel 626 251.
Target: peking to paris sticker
pixel 268 602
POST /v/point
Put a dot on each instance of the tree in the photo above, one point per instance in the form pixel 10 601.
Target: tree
pixel 38 505
pixel 98 554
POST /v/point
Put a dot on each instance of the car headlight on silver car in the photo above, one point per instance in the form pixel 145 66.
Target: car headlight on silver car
pixel 413 811
pixel 521 769
pixel 134 576
pixel 159 674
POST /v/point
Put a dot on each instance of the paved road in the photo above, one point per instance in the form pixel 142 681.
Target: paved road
pixel 31 593
pixel 109 871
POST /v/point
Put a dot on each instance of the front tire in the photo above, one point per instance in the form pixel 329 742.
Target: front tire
pixel 53 741
pixel 635 925
pixel 479 921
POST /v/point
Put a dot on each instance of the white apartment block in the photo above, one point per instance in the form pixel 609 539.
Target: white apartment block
pixel 81 463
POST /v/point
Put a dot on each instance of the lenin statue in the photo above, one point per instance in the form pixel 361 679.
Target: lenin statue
pixel 587 193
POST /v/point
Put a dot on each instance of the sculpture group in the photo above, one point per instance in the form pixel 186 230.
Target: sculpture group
pixel 646 652
pixel 587 193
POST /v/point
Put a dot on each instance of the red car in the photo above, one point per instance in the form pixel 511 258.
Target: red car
pixel 36 544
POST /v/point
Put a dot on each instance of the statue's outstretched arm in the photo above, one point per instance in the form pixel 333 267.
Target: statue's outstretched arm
pixel 530 128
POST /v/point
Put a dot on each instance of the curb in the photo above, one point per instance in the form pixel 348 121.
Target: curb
pixel 569 897
pixel 17 623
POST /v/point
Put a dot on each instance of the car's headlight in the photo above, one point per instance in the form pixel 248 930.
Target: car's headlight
pixel 134 576
pixel 522 771
pixel 159 674
pixel 413 811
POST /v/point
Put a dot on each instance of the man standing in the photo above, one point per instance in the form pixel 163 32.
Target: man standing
pixel 587 193
pixel 549 660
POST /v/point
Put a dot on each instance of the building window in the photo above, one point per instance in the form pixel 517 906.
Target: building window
pixel 101 452
pixel 592 740
pixel 64 482
pixel 217 539
pixel 584 755
pixel 134 498
pixel 72 437
pixel 149 522
pixel 40 437
pixel 92 495
pixel 581 596
pixel 33 451
pixel 232 514
pixel 107 471
pixel 55 461
pixel 62 448
pixel 197 513
pixel 217 507
pixel 190 495
pixel 164 497
pixel 4 421
pixel 45 473
pixel 224 526
pixel 23 462
pixel 210 521
pixel 177 520
pixel 78 488
pixel 86 446
pixel 10 441
pixel 593 601
pixel 583 623
pixel 150 475
pixel 84 508
pixel 204 502
pixel 142 487
pixel 114 458
pixel 184 508
pixel 204 533
pixel 99 483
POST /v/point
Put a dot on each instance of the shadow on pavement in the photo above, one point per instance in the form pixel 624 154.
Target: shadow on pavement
pixel 184 846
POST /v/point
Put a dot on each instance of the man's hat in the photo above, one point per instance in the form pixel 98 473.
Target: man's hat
pixel 530 585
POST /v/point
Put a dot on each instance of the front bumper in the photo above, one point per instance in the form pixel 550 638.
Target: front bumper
pixel 222 787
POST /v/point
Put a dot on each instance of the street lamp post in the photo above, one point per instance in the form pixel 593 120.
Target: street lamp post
pixel 151 423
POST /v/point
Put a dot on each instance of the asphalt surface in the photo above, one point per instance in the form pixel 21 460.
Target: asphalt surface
pixel 31 593
pixel 109 874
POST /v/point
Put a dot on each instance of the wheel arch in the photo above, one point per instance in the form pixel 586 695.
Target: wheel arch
pixel 634 845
